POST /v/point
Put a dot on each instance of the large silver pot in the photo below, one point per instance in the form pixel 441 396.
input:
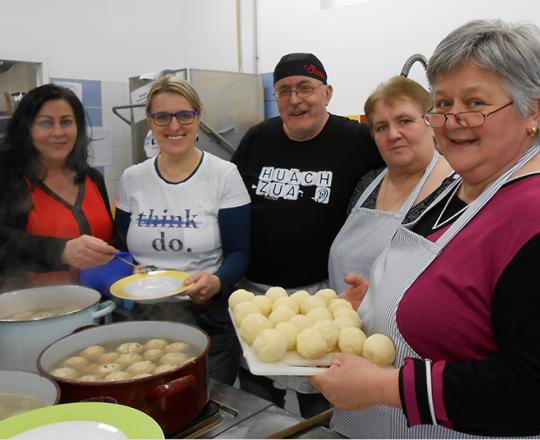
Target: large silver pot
pixel 21 342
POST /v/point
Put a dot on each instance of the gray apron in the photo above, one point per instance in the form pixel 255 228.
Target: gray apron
pixel 393 272
pixel 362 238
pixel 366 233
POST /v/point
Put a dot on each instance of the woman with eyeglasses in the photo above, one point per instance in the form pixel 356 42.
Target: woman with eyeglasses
pixel 387 197
pixel 54 209
pixel 187 210
pixel 458 290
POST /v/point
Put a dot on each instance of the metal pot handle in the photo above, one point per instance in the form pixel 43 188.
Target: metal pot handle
pixel 103 309
pixel 173 387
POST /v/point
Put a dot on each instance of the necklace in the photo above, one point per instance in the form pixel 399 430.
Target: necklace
pixel 438 223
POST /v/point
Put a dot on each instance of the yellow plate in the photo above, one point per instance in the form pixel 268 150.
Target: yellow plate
pixel 94 419
pixel 150 286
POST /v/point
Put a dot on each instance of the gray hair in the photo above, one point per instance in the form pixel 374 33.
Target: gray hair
pixel 512 51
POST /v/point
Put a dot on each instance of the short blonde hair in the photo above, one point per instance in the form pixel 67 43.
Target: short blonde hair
pixel 174 84
pixel 393 89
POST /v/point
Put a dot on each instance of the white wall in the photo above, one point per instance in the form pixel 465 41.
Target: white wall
pixel 208 32
pixel 362 45
pixel 112 40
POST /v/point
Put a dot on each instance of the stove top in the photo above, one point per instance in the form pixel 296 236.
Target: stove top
pixel 233 413
pixel 208 419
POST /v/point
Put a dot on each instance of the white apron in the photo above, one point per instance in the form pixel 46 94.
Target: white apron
pixel 366 233
pixel 362 238
pixel 398 266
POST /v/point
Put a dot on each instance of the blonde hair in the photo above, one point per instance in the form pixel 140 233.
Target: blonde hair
pixel 174 84
pixel 393 89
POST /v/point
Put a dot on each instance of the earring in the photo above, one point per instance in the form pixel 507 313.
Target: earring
pixel 533 131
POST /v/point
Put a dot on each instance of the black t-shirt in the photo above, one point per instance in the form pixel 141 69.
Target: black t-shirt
pixel 299 195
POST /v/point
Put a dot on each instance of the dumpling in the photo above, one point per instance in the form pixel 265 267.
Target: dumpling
pixel 281 314
pixel 128 358
pixel 238 296
pixel 65 373
pixel 300 296
pixel 338 303
pixel 242 310
pixel 177 346
pixel 93 352
pixel 91 368
pixel 311 344
pixel 89 378
pixel 110 356
pixel 117 375
pixel 318 314
pixel 286 302
pixel 351 340
pixel 263 303
pixel 276 292
pixel 290 332
pixel 141 376
pixel 379 349
pixel 77 362
pixel 330 331
pixel 311 303
pixel 301 322
pixel 153 354
pixel 252 325
pixel 130 347
pixel 141 367
pixel 351 313
pixel 105 369
pixel 327 294
pixel 156 343
pixel 343 321
pixel 175 358
pixel 270 345
pixel 165 367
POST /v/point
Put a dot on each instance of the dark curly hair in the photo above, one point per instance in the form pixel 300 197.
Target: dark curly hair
pixel 18 152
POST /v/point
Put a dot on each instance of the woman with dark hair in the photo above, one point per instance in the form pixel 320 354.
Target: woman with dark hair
pixel 54 212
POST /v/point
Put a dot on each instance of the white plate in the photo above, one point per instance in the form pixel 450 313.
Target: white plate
pixel 73 430
pixel 292 365
pixel 151 286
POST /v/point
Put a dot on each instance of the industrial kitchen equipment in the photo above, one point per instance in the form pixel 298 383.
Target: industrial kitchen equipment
pixel 233 102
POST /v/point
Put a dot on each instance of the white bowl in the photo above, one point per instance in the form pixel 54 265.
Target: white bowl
pixel 29 384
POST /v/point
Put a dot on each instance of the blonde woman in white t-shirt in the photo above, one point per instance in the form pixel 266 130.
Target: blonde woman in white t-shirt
pixel 188 210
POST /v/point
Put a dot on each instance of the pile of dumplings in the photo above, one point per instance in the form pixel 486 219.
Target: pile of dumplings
pixel 124 361
pixel 311 325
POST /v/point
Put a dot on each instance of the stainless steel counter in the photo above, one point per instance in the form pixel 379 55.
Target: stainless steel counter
pixel 244 415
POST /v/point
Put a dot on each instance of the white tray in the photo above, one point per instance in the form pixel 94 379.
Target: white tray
pixel 292 365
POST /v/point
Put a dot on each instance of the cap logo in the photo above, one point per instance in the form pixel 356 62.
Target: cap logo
pixel 310 68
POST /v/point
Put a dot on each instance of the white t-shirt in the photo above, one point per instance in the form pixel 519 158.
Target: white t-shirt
pixel 175 225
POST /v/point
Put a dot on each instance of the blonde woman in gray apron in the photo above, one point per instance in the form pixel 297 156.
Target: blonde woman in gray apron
pixel 457 290
pixel 414 170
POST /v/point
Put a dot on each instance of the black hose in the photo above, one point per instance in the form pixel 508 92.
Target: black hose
pixel 410 61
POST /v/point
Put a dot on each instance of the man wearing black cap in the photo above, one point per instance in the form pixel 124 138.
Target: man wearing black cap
pixel 300 169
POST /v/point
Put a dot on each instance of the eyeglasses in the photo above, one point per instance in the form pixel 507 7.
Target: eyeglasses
pixel 184 117
pixel 465 119
pixel 302 91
